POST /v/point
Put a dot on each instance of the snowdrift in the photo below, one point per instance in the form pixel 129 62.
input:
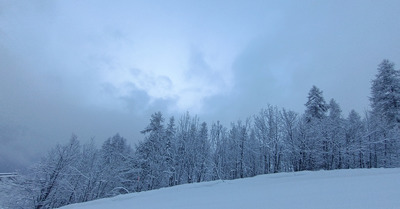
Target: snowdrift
pixel 358 188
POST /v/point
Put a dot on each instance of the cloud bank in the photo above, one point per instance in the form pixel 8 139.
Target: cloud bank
pixel 96 68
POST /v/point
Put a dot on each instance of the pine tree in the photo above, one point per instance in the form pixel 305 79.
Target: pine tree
pixel 314 132
pixel 385 94
pixel 385 103
pixel 151 155
pixel 316 106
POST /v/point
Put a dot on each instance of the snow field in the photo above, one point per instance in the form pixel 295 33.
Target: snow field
pixel 358 188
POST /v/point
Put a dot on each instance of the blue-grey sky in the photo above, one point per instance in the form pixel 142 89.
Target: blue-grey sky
pixel 95 68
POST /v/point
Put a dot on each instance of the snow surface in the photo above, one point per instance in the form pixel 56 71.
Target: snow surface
pixel 358 188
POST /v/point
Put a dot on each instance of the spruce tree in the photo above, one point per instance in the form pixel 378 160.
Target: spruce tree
pixel 385 94
pixel 316 106
pixel 385 103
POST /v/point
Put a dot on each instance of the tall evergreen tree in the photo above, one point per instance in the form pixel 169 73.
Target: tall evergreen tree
pixel 151 155
pixel 385 93
pixel 314 132
pixel 316 106
pixel 385 103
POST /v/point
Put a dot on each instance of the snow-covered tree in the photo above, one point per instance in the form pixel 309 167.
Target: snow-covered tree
pixel 170 152
pixel 268 125
pixel 385 94
pixel 151 155
pixel 333 138
pixel 355 142
pixel 385 103
pixel 316 106
pixel 261 133
pixel 314 133
pixel 239 143
pixel 50 183
pixel 193 150
pixel 290 134
pixel 219 142
pixel 372 137
pixel 115 154
pixel 203 154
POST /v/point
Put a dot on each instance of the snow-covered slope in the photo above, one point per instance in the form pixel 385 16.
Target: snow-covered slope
pixel 368 188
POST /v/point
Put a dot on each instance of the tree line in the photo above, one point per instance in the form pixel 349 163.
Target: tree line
pixel 186 150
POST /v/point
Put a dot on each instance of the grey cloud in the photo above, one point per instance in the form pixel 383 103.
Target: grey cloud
pixel 53 54
pixel 147 81
pixel 210 79
pixel 198 67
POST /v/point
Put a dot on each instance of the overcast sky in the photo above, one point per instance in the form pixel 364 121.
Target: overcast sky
pixel 96 68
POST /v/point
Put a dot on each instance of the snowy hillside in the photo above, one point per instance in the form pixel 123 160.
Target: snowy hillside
pixel 366 189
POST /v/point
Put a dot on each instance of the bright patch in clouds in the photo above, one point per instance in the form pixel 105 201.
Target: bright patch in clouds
pixel 171 70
